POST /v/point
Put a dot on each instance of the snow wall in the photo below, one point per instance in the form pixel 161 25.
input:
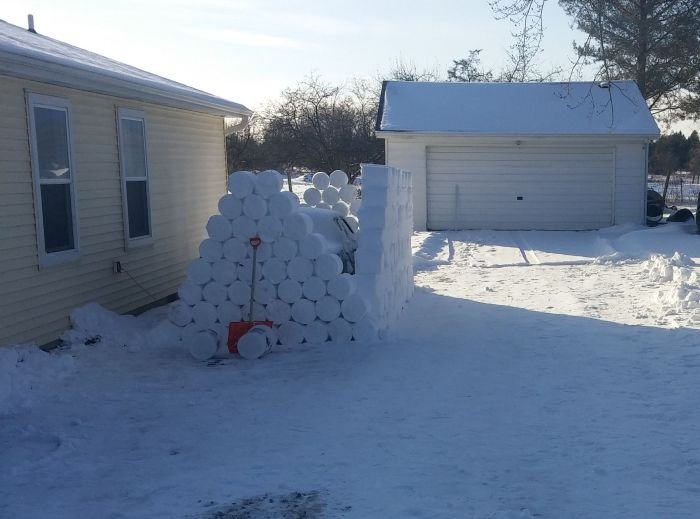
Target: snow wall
pixel 384 267
pixel 302 285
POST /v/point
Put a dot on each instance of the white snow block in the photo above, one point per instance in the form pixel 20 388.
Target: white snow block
pixel 316 332
pixel 210 250
pixel 230 206
pixel 348 193
pixel 264 252
pixel 241 183
pixel 180 313
pixel 297 225
pixel 354 308
pixel 283 204
pixel 190 292
pixel 254 207
pixel 244 228
pixel 275 270
pixel 235 250
pixel 224 271
pixel 269 228
pixel 284 248
pixel 204 315
pixel 313 288
pixel 338 178
pixel 245 271
pixel 259 312
pixel 189 333
pixel 239 292
pixel 257 342
pixel 341 208
pixel 312 246
pixel 290 333
pixel 342 286
pixel 365 331
pixel 330 196
pixel 312 196
pixel 219 228
pixel 199 271
pixel 214 293
pixel 268 182
pixel 323 205
pixel 321 180
pixel 265 292
pixel 340 331
pixel 289 291
pixel 278 311
pixel 328 308
pixel 353 222
pixel 304 311
pixel 328 266
pixel 204 345
pixel 300 269
pixel 228 312
pixel 355 206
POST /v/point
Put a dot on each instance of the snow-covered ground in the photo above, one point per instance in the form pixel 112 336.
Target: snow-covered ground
pixel 533 375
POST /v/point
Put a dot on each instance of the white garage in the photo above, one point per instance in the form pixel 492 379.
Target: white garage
pixel 554 156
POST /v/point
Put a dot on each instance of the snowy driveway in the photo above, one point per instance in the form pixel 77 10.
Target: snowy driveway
pixel 531 390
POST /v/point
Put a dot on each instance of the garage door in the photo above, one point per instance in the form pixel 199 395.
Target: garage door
pixel 555 188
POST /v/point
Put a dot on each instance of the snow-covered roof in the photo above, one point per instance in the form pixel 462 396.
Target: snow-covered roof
pixel 542 109
pixel 37 57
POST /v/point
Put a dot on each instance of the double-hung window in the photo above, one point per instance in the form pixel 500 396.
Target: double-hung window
pixel 133 157
pixel 53 175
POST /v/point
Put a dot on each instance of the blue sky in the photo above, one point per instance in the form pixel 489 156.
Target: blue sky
pixel 249 50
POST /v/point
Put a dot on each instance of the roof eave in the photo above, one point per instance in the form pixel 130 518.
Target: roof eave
pixel 387 133
pixel 33 69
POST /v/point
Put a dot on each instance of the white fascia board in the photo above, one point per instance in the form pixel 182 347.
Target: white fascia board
pixel 412 135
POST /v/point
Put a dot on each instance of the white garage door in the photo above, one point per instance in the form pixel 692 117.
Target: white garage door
pixel 554 188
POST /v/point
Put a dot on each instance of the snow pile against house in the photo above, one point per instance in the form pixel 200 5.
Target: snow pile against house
pixel 304 265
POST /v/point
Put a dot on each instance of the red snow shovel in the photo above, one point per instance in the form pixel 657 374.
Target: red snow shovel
pixel 238 330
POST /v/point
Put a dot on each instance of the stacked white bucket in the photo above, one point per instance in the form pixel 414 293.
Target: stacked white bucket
pixel 383 260
pixel 334 192
pixel 300 286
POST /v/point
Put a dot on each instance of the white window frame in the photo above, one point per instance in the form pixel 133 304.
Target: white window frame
pixel 47 259
pixel 136 115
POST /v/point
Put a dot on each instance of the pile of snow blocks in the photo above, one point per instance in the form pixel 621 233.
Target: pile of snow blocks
pixel 383 260
pixel 300 283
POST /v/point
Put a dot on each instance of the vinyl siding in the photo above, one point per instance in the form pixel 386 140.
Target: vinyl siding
pixel 187 177
pixel 411 156
pixel 629 184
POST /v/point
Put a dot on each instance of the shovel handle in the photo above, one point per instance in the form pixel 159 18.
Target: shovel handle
pixel 255 243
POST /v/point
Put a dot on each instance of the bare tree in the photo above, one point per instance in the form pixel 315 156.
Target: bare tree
pixel 469 69
pixel 319 126
pixel 403 70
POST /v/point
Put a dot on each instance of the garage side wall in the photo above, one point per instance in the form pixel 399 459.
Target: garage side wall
pixel 187 175
pixel 630 183
pixel 410 156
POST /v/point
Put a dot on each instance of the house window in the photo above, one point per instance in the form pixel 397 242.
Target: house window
pixel 53 175
pixel 134 169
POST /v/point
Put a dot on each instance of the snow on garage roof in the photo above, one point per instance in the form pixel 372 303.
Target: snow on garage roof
pixel 581 108
pixel 28 55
